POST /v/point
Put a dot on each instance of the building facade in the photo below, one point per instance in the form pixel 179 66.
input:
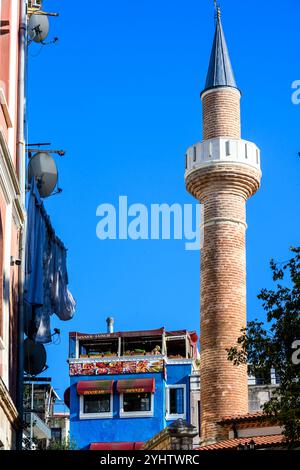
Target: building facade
pixel 59 423
pixel 39 402
pixel 11 212
pixel 237 429
pixel 222 172
pixel 125 387
pixel 44 426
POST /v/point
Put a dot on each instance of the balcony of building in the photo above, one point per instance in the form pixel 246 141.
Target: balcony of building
pixel 40 430
pixel 126 346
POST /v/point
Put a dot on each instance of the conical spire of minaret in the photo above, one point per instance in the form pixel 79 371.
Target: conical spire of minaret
pixel 220 71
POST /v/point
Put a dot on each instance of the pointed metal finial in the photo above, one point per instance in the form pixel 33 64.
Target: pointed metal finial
pixel 220 71
pixel 217 11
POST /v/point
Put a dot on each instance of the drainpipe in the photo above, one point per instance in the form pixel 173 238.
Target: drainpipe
pixel 21 170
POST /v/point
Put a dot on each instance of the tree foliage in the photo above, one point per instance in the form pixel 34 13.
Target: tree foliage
pixel 65 444
pixel 275 345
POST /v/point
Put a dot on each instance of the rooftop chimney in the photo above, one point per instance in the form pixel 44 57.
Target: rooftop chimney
pixel 110 324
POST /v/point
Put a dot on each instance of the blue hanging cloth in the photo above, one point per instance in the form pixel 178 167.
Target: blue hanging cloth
pixel 35 241
pixel 46 280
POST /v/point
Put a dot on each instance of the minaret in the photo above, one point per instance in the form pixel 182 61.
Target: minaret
pixel 222 172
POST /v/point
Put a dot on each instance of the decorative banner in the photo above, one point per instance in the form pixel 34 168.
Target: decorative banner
pixel 121 367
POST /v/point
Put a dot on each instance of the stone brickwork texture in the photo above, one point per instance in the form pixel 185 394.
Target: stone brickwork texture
pixel 223 189
pixel 171 438
pixel 221 113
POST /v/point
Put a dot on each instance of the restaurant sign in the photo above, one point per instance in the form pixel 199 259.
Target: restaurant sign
pixel 120 367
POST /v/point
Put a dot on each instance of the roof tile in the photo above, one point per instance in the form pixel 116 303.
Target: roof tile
pixel 260 442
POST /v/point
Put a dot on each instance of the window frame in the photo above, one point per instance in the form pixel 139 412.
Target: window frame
pixel 177 338
pixel 56 429
pixel 171 416
pixel 136 414
pixel 104 415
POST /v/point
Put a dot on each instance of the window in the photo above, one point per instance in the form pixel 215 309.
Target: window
pixel 136 404
pixel 194 153
pixel 275 378
pixel 4 46
pixel 96 406
pixel 106 347
pixel 56 434
pixel 227 146
pixel 141 345
pixel 176 347
pixel 263 378
pixel 176 401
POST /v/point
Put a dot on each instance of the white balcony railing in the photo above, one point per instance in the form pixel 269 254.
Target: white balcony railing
pixel 222 149
pixel 40 428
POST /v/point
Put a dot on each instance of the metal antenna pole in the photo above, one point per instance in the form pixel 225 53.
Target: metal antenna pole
pixel 31 416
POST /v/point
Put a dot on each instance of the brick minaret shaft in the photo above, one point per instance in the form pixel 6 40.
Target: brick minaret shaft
pixel 222 172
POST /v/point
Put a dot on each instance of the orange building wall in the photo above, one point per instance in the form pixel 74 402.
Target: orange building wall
pixel 11 213
pixel 5 44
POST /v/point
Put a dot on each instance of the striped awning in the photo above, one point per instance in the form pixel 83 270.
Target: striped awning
pixel 136 386
pixel 94 387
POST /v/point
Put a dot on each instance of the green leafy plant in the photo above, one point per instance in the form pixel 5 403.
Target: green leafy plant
pixel 65 444
pixel 264 346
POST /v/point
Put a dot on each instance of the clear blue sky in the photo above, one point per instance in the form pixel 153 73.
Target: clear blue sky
pixel 120 92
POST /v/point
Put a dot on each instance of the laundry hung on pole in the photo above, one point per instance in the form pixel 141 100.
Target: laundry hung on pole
pixel 46 278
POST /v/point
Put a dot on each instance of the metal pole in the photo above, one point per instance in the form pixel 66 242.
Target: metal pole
pixel 31 416
pixel 21 167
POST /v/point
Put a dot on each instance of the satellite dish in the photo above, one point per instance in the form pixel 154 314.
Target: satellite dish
pixel 42 167
pixel 38 27
pixel 34 357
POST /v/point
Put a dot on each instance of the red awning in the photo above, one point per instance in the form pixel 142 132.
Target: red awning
pixel 94 387
pixel 136 386
pixel 194 336
pixel 116 445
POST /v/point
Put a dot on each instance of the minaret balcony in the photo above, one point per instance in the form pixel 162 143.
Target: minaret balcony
pixel 221 150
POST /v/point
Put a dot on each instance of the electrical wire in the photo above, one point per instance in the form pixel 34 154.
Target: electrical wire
pixel 39 51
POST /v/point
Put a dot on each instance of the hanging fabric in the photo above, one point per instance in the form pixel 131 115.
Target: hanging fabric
pixel 36 232
pixel 46 280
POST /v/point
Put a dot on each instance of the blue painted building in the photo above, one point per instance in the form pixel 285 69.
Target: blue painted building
pixel 127 386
